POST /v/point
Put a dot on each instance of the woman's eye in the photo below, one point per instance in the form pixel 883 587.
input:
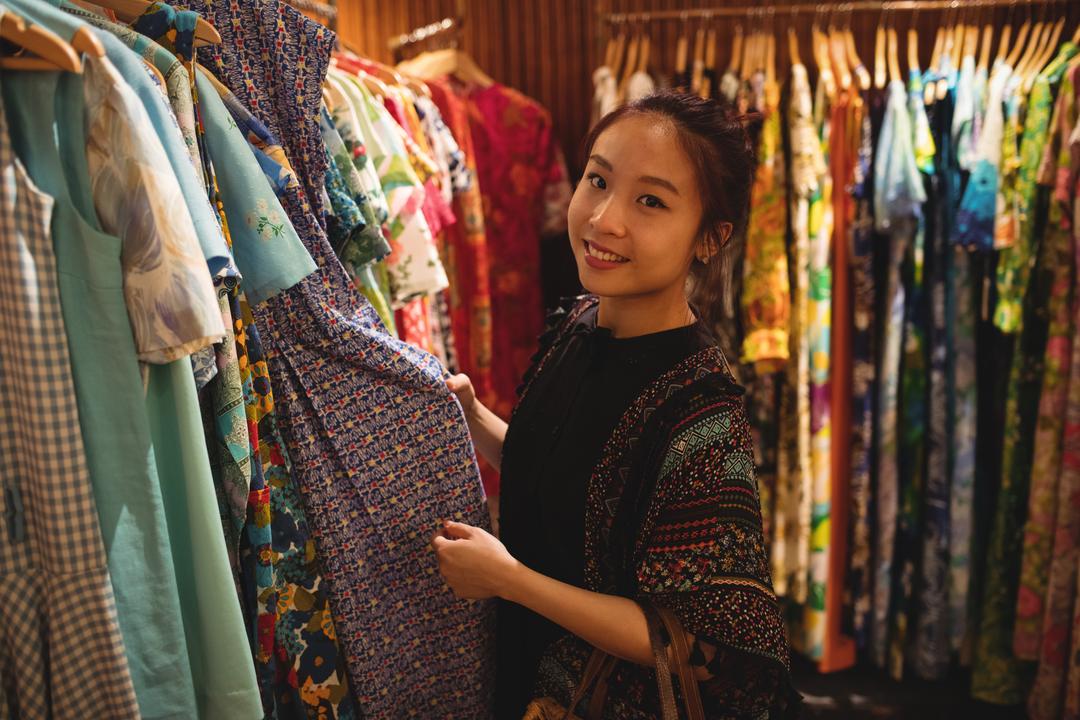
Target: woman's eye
pixel 597 182
pixel 651 201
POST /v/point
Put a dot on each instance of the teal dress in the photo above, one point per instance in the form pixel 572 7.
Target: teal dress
pixel 108 389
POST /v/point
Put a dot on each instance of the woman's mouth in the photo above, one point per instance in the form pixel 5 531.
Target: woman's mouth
pixel 598 256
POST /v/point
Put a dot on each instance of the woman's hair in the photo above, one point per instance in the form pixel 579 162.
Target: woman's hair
pixel 715 138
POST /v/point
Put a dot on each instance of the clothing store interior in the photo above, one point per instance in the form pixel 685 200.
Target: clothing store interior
pixel 852 491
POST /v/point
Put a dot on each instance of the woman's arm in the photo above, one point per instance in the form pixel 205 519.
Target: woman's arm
pixel 476 565
pixel 488 429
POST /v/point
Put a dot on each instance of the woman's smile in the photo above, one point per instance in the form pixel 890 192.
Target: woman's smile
pixel 601 258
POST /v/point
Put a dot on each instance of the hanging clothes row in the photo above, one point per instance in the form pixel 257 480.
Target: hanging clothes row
pixel 907 303
pixel 214 432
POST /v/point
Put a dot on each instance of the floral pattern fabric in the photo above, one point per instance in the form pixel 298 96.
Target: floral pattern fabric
pixel 329 360
pixel 526 192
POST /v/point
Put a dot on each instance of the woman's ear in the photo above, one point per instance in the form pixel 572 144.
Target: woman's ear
pixel 713 242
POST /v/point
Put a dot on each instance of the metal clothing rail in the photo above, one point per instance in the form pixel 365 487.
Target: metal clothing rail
pixel 323 10
pixel 423 33
pixel 811 8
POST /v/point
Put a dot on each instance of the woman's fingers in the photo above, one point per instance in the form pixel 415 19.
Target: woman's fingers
pixel 458 530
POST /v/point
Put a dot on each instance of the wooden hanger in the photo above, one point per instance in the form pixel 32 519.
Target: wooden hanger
pixel 710 63
pixel 128 11
pixel 881 77
pixel 1003 43
pixel 913 50
pixel 984 46
pixel 631 63
pixel 894 56
pixel 698 68
pixel 1048 51
pixel 447 62
pixel 609 49
pixel 793 46
pixel 50 51
pixel 1034 44
pixel 862 75
pixel 617 54
pixel 749 50
pixel 770 61
pixel 681 49
pixel 821 58
pixel 644 51
pixel 838 56
pixel 1018 45
pixel 1076 36
pixel 735 63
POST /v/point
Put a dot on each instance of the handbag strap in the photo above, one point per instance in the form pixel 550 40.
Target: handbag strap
pixel 658 616
pixel 596 671
pixel 687 679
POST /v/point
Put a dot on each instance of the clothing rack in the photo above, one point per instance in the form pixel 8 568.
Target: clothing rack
pixel 426 32
pixel 324 11
pixel 811 8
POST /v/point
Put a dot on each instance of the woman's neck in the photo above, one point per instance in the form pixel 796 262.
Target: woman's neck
pixel 631 316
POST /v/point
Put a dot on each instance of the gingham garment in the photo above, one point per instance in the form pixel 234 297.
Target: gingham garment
pixel 61 654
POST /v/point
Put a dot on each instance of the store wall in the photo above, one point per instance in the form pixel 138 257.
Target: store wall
pixel 549 48
pixel 544 48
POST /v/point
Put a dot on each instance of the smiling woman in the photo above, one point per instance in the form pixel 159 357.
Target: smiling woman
pixel 628 479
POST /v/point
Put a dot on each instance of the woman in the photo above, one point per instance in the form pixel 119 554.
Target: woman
pixel 627 466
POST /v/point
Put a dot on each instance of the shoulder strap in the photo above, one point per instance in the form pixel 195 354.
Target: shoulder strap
pixel 658 617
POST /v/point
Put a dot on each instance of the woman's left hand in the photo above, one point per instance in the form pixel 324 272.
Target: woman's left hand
pixel 473 562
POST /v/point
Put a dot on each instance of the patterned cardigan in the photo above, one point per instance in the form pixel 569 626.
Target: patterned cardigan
pixel 673 516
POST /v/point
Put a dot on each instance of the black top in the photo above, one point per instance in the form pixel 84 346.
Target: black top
pixel 553 443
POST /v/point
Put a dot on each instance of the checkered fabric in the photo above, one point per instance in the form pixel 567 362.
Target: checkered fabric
pixel 61 654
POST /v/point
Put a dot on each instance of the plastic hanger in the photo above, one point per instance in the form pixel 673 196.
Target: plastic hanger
pixel 50 51
pixel 130 10
pixel 862 75
pixel 880 71
pixel 735 63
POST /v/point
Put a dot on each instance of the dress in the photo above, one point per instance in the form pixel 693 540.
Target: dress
pixel 526 191
pixel 898 198
pixel 63 651
pixel 379 447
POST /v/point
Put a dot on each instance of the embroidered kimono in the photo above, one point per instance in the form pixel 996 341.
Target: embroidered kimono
pixel 672 515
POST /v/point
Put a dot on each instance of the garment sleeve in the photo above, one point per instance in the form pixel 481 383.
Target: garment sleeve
pixel 705 559
pixel 169 294
pixel 557 189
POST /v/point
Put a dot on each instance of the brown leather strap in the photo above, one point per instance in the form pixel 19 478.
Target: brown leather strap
pixel 687 679
pixel 597 668
pixel 668 709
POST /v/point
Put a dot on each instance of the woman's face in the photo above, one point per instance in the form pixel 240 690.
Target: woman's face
pixel 635 215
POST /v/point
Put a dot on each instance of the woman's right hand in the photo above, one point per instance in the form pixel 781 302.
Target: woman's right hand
pixel 462 386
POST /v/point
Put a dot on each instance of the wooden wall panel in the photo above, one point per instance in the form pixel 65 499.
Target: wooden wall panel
pixel 549 48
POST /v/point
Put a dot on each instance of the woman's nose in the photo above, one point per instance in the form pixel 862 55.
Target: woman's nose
pixel 607 218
